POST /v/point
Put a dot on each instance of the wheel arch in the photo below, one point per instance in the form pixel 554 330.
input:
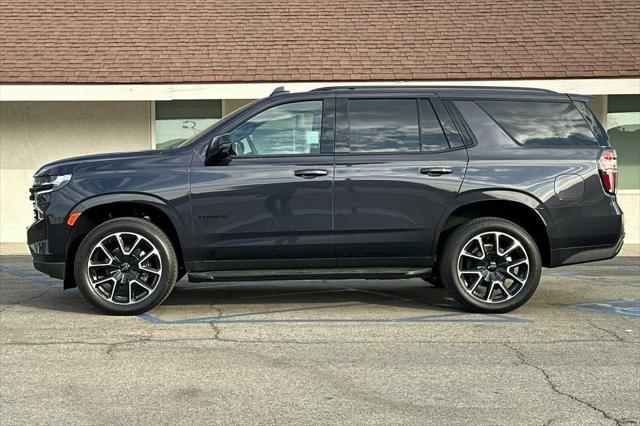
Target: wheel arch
pixel 99 209
pixel 518 207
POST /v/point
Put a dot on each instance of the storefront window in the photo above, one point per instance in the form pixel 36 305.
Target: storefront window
pixel 623 127
pixel 177 121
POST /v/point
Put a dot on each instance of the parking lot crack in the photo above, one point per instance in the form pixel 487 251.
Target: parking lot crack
pixel 218 331
pixel 609 332
pixel 523 359
pixel 111 347
pixel 18 302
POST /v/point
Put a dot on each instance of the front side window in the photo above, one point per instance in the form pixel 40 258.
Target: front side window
pixel 383 125
pixel 287 129
pixel 541 123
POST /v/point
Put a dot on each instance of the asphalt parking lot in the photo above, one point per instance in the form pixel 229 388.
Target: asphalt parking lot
pixel 318 352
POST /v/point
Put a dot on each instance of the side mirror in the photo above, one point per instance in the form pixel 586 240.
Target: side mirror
pixel 220 147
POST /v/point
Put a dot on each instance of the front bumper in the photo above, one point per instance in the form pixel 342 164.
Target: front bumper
pixel 45 258
pixel 53 269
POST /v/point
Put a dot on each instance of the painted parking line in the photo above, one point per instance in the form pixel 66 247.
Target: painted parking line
pixel 36 279
pixel 448 318
pixel 612 278
pixel 626 307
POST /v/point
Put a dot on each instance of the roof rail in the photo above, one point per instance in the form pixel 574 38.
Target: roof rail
pixel 409 87
pixel 278 91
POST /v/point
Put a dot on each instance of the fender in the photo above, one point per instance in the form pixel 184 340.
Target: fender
pixel 136 197
pixel 484 195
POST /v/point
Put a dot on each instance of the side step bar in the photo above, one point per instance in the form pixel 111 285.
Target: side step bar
pixel 308 274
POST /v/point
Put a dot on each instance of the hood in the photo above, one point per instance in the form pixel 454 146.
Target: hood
pixel 68 165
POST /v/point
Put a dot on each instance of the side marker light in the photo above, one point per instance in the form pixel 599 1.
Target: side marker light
pixel 72 218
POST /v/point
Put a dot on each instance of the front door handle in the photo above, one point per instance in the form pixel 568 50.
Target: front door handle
pixel 311 173
pixel 436 171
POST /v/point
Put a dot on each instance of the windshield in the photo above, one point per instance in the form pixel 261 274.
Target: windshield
pixel 220 122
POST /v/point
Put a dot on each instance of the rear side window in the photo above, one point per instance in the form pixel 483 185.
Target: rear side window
pixel 383 125
pixel 541 123
pixel 431 132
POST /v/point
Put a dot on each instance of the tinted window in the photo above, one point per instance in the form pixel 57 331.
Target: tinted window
pixel 383 125
pixel 481 125
pixel 541 123
pixel 281 130
pixel 464 136
pixel 450 129
pixel 430 131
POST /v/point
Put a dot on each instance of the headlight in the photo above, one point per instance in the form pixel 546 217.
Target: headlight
pixel 39 192
pixel 49 183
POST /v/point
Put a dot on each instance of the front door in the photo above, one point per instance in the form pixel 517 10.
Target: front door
pixel 270 205
pixel 396 172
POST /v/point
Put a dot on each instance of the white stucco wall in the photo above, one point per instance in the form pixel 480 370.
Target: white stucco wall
pixel 34 133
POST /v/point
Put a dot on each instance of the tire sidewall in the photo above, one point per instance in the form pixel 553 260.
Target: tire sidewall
pixel 459 239
pixel 147 230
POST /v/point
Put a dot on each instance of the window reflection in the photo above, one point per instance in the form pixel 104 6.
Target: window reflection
pixel 287 129
pixel 383 125
pixel 432 135
pixel 541 123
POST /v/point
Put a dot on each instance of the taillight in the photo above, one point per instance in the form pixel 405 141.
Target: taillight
pixel 608 167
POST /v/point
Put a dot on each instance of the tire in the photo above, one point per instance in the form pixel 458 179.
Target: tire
pixel 472 276
pixel 133 266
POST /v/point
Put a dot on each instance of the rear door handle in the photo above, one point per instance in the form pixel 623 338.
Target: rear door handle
pixel 436 171
pixel 311 173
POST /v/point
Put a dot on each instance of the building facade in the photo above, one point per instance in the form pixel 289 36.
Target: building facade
pixel 159 73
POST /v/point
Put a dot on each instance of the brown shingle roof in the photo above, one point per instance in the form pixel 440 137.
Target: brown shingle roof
pixel 63 41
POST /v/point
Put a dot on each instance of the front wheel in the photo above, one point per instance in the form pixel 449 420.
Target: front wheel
pixel 490 265
pixel 126 266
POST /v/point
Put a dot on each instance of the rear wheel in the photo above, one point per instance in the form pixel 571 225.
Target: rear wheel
pixel 126 266
pixel 490 265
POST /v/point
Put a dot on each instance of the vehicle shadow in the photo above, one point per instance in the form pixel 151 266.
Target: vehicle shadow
pixel 399 293
pixel 246 296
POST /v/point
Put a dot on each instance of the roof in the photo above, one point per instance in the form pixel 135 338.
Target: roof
pixel 448 91
pixel 460 92
pixel 501 89
pixel 206 41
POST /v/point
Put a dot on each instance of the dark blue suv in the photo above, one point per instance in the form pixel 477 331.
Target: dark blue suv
pixel 473 189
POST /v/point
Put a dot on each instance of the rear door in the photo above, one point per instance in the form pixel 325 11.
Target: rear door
pixel 399 162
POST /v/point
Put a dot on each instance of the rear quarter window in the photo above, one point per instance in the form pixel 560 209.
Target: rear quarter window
pixel 541 123
pixel 594 124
